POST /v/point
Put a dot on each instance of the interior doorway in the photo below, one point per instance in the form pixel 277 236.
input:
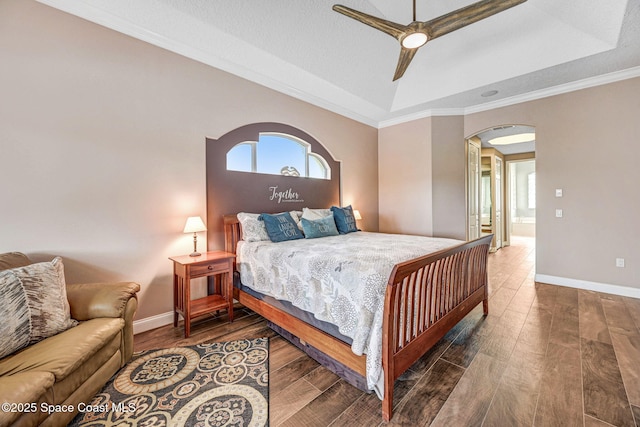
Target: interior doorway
pixel 503 185
pixel 522 197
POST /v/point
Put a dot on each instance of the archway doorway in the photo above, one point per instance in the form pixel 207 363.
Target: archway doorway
pixel 501 184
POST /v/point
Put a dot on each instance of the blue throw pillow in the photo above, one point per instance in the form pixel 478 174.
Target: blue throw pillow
pixel 345 220
pixel 322 227
pixel 281 227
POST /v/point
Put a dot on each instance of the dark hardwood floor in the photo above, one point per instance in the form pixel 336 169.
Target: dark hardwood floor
pixel 545 355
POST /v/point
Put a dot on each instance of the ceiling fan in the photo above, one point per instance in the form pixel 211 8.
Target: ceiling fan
pixel 417 34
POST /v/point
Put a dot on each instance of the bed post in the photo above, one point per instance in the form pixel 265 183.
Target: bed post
pixel 388 367
pixel 485 301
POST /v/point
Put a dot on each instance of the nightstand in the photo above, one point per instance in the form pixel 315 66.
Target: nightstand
pixel 215 263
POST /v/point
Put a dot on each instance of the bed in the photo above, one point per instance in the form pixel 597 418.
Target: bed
pixel 423 299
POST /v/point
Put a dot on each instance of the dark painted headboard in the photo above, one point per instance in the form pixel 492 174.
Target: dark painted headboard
pixel 230 192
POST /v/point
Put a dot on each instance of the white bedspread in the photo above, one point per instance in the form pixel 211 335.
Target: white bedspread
pixel 340 279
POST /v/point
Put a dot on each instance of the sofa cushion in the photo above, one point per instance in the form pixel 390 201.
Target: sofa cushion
pixel 15 327
pixel 22 388
pixel 63 353
pixel 46 293
pixel 62 390
pixel 13 260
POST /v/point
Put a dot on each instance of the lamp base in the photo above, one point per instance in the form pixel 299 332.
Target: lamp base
pixel 195 254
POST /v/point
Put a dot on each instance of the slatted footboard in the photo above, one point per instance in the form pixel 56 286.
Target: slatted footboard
pixel 425 298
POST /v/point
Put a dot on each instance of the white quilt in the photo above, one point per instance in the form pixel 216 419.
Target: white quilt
pixel 340 279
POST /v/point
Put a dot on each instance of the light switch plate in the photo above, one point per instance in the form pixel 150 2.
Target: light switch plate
pixel 558 192
pixel 558 213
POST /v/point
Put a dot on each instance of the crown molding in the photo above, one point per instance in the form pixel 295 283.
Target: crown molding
pixel 358 109
pixel 600 80
pixel 589 82
pixel 434 112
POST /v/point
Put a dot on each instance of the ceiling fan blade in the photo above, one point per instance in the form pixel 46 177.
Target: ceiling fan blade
pixel 406 55
pixel 467 15
pixel 391 28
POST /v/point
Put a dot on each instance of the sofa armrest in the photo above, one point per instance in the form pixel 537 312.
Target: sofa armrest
pixel 90 301
pixel 93 300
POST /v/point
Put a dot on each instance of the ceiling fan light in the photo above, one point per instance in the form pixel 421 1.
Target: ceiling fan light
pixel 414 40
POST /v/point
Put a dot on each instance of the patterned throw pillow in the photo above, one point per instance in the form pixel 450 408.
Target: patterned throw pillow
pixel 319 228
pixel 253 230
pixel 16 325
pixel 46 293
pixel 281 227
pixel 345 220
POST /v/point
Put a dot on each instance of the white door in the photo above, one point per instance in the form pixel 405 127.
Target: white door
pixel 473 189
pixel 498 205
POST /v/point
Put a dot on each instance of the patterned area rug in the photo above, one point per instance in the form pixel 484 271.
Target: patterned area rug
pixel 207 385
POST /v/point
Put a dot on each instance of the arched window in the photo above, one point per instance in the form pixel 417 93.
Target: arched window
pixel 278 154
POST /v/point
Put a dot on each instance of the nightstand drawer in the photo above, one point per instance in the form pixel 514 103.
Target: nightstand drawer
pixel 213 268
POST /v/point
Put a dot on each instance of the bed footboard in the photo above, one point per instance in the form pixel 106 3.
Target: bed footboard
pixel 425 298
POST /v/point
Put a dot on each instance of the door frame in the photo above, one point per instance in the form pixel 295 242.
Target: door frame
pixel 472 141
pixel 509 160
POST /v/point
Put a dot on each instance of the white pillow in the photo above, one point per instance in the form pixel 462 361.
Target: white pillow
pixel 315 214
pixel 297 215
pixel 253 230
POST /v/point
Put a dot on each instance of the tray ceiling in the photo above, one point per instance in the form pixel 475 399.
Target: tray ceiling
pixel 306 50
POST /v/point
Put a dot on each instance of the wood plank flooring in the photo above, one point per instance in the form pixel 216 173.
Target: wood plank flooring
pixel 544 356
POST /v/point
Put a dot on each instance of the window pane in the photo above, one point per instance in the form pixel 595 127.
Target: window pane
pixel 279 155
pixel 317 169
pixel 239 158
pixel 531 178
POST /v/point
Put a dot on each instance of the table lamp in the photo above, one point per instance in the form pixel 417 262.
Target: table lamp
pixel 194 225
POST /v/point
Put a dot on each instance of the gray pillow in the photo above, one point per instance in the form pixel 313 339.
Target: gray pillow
pixel 46 294
pixel 15 327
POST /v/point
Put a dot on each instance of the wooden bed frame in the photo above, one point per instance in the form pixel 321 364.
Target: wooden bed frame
pixel 441 288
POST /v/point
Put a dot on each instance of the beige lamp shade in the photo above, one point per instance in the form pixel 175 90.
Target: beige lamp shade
pixel 356 214
pixel 194 225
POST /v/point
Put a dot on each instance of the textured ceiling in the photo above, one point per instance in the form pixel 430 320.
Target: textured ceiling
pixel 306 50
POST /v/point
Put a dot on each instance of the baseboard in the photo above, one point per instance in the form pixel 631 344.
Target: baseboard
pixel 606 288
pixel 152 322
pixel 148 323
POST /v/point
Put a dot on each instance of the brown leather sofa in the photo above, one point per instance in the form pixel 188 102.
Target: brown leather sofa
pixel 72 366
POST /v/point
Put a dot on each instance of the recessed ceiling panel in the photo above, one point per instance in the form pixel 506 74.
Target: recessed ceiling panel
pixel 306 50
pixel 524 39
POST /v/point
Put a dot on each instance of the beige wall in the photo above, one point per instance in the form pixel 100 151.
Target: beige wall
pixel 448 166
pixel 585 143
pixel 405 177
pixel 422 177
pixel 102 147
